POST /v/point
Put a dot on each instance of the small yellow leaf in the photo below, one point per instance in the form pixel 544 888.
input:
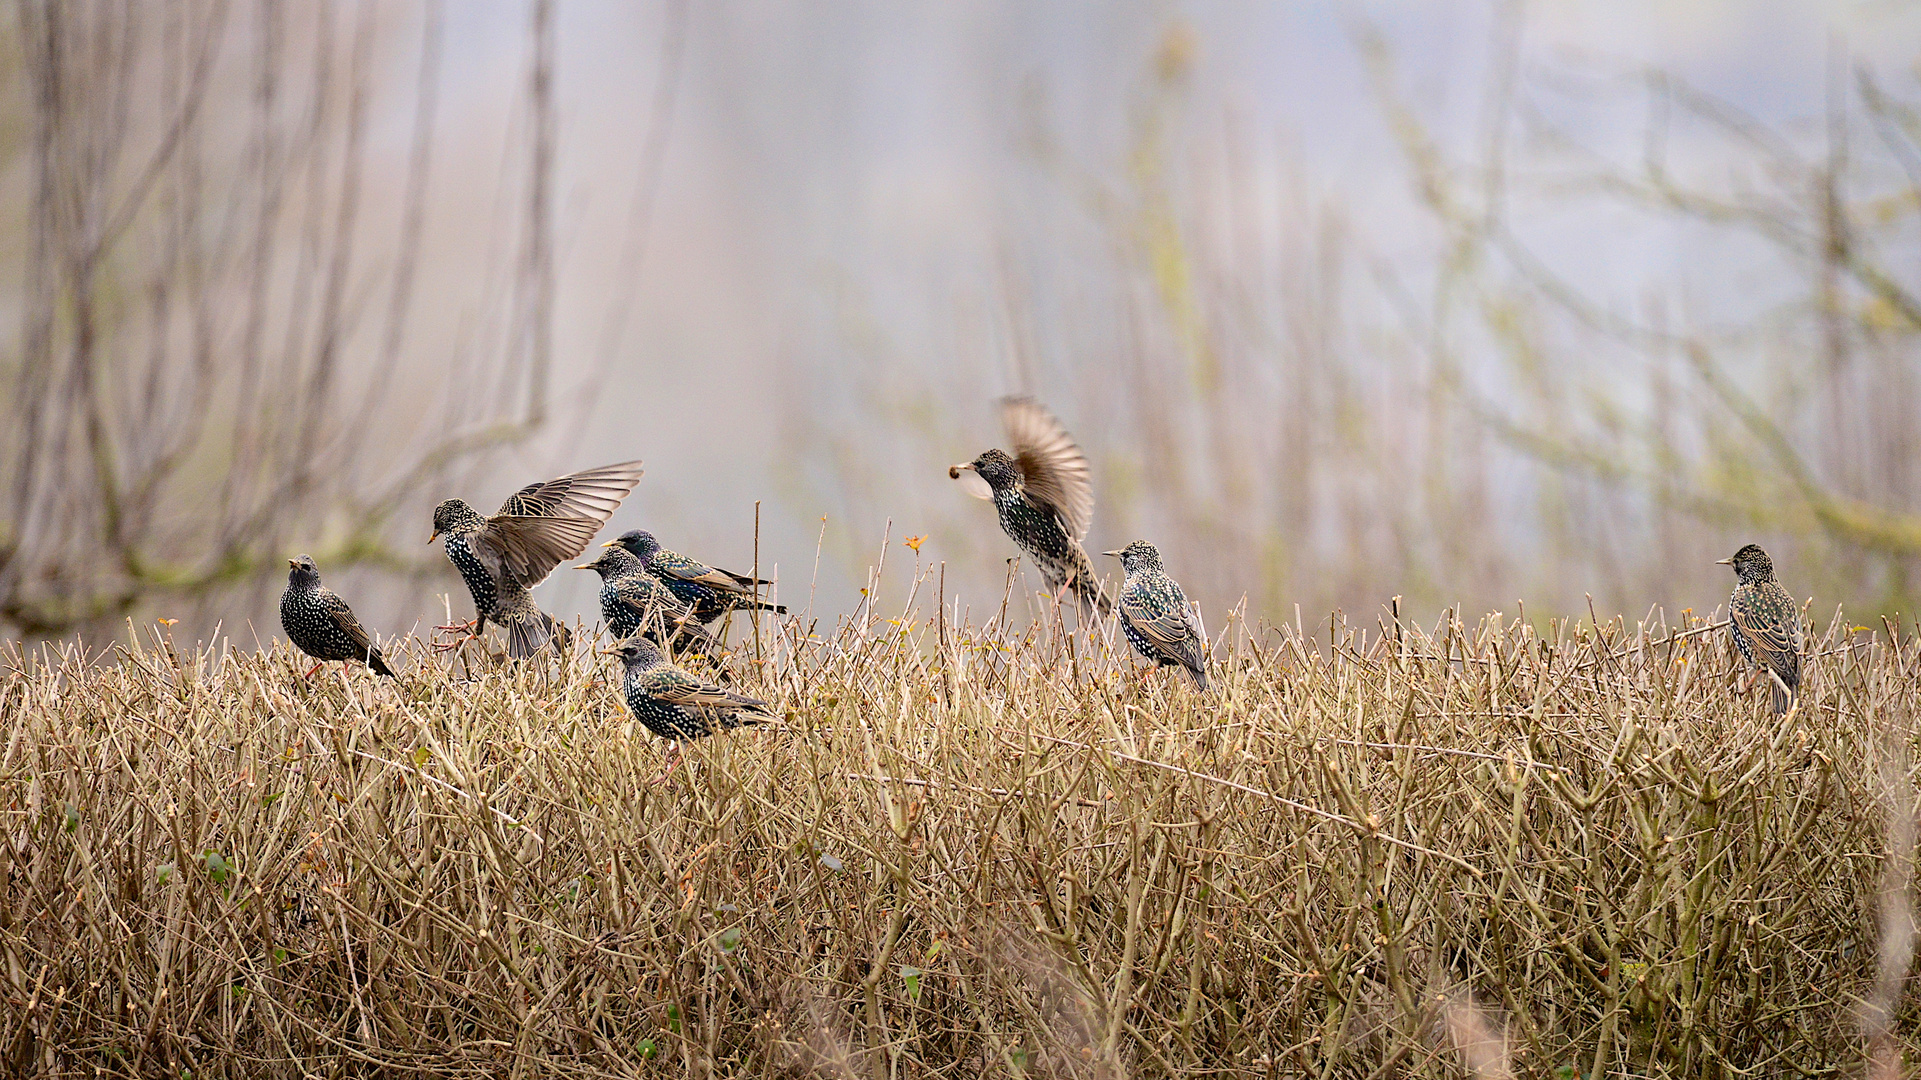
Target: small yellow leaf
pixel 167 622
pixel 914 542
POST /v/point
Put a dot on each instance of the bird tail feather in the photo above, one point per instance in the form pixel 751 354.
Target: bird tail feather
pixel 1781 696
pixel 527 636
pixel 379 664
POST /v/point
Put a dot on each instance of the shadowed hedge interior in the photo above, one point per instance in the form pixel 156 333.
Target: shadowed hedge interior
pixel 965 851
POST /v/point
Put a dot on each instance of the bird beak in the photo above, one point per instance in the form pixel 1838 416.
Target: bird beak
pixel 611 543
pixel 606 652
pixel 1116 554
pixel 1729 561
pixel 585 566
pixel 954 471
pixel 434 537
pixel 293 564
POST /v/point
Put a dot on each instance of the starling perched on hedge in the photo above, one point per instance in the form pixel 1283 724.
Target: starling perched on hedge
pixel 710 591
pixel 631 599
pixel 320 622
pixel 675 704
pixel 537 528
pixel 1155 615
pixel 1043 495
pixel 1765 623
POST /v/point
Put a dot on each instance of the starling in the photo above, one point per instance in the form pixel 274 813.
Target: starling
pixel 631 598
pixel 677 705
pixel 1043 496
pixel 1155 616
pixel 711 592
pixel 528 627
pixel 537 528
pixel 320 622
pixel 1765 623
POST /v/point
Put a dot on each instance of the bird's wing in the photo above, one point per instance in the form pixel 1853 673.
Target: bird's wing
pixel 1776 640
pixel 343 617
pixel 677 687
pixel 643 591
pixel 1053 469
pixel 1171 631
pixel 687 569
pixel 590 493
pixel 525 550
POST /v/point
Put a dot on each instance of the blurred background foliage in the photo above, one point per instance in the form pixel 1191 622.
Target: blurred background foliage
pixel 1467 303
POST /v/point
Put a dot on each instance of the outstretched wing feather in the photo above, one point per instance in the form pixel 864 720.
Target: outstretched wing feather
pixel 590 493
pixel 1053 469
pixel 524 550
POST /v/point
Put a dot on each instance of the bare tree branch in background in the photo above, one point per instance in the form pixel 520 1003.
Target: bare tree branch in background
pixel 200 378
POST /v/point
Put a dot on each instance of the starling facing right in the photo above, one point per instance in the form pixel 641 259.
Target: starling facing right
pixel 1155 616
pixel 1043 495
pixel 1765 623
pixel 712 592
pixel 320 622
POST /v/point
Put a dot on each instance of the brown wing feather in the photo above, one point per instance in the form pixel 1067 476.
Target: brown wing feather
pixel 677 687
pixel 1173 632
pixel 343 617
pixel 1777 646
pixel 590 493
pixel 542 525
pixel 1053 468
pixel 524 550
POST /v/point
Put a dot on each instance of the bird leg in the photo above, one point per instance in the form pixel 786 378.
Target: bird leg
pixel 313 669
pixel 472 631
pixel 673 759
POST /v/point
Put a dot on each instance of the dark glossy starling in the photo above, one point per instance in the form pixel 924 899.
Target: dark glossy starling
pixel 321 623
pixel 538 527
pixel 631 599
pixel 1155 616
pixel 711 592
pixel 675 704
pixel 1043 495
pixel 1765 623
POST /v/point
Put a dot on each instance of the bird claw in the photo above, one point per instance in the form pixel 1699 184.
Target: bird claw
pixel 438 645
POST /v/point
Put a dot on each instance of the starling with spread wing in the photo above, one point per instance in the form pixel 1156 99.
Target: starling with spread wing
pixel 1043 495
pixel 631 599
pixel 1765 623
pixel 1155 616
pixel 675 704
pixel 321 624
pixel 711 592
pixel 538 527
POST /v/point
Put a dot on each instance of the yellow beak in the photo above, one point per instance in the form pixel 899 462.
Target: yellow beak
pixel 1729 561
pixel 585 566
pixel 434 537
pixel 293 564
pixel 611 543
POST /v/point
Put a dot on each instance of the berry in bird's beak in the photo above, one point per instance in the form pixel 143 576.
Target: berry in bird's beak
pixel 954 471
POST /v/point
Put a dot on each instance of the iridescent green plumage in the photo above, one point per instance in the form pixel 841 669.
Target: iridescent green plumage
pixel 1155 615
pixel 1765 623
pixel 710 591
pixel 632 600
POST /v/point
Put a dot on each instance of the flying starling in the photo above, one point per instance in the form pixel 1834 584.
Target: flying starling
pixel 711 592
pixel 320 622
pixel 537 528
pixel 675 704
pixel 1765 623
pixel 631 599
pixel 1155 616
pixel 1043 495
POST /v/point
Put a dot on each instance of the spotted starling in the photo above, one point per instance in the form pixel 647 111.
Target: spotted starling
pixel 537 528
pixel 631 599
pixel 711 592
pixel 1043 496
pixel 1765 623
pixel 677 705
pixel 1155 616
pixel 321 623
